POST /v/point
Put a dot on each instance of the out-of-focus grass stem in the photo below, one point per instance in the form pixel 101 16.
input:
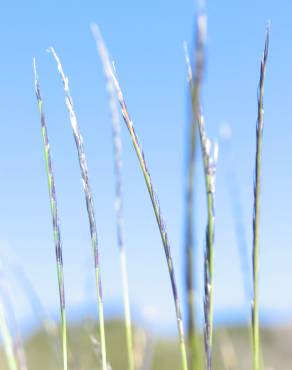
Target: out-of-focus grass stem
pixel 189 249
pixel 7 341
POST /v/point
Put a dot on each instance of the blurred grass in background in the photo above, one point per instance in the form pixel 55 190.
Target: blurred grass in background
pixel 231 349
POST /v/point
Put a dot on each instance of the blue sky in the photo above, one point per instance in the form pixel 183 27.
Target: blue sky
pixel 145 40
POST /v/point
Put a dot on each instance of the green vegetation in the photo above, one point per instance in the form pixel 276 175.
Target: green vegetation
pixel 228 354
pixel 119 344
pixel 117 145
pixel 256 219
pixel 89 202
pixel 7 340
pixel 153 197
pixel 55 217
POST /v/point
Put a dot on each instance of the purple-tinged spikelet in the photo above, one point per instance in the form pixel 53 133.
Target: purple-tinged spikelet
pixel 141 157
pixel 54 212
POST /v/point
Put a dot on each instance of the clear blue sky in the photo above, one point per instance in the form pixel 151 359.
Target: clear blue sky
pixel 145 40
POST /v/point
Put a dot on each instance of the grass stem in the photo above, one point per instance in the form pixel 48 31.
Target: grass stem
pixel 18 344
pixel 55 216
pixel 154 200
pixel 189 248
pixel 7 341
pixel 117 147
pixel 209 163
pixel 256 214
pixel 89 202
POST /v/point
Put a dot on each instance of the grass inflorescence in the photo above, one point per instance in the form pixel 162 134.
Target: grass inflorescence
pixel 209 154
pixel 117 147
pixel 209 163
pixel 155 204
pixel 256 214
pixel 55 216
pixel 89 202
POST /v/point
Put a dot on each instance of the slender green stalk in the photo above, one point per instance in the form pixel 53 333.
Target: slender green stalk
pixel 191 293
pixel 55 216
pixel 209 253
pixel 209 163
pixel 256 215
pixel 117 146
pixel 89 202
pixel 7 341
pixel 154 201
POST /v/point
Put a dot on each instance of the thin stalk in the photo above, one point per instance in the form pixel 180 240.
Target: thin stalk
pixel 256 214
pixel 7 341
pixel 153 197
pixel 117 147
pixel 55 216
pixel 191 293
pixel 89 202
pixel 209 173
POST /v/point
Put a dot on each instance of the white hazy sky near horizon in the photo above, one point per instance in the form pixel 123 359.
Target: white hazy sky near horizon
pixel 145 40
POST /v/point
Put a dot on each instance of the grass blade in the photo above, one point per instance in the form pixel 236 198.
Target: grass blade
pixel 256 214
pixel 89 202
pixel 117 146
pixel 152 194
pixel 209 163
pixel 55 217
